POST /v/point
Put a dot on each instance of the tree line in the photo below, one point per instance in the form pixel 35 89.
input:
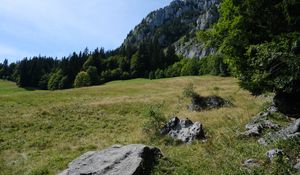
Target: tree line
pixel 87 68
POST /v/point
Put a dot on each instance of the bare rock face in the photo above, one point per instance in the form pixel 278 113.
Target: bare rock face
pixel 183 130
pixel 180 19
pixel 116 160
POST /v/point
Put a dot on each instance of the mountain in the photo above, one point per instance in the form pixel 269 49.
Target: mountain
pixel 176 25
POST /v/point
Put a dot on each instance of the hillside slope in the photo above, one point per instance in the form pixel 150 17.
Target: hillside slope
pixel 41 131
pixel 176 25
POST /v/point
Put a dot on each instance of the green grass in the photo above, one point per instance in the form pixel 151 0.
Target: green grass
pixel 42 131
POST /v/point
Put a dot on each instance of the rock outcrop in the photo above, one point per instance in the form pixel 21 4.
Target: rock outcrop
pixel 183 130
pixel 199 103
pixel 261 122
pixel 291 131
pixel 181 19
pixel 116 160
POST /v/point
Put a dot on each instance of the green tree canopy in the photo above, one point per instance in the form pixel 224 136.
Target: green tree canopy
pixel 82 79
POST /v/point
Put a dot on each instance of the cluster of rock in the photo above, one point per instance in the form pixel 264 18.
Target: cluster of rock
pixel 199 103
pixel 180 19
pixel 261 122
pixel 116 160
pixel 183 130
pixel 291 131
pixel 135 159
pixel 271 154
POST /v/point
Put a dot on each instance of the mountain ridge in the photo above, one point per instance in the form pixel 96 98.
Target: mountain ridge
pixel 176 25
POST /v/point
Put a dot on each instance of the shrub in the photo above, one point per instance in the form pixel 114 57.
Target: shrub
pixel 82 79
pixel 188 91
pixel 155 121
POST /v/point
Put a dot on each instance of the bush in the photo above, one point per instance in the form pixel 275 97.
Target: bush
pixel 188 91
pixel 155 121
pixel 82 79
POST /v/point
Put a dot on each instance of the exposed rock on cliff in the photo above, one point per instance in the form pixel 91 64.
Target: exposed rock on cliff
pixel 178 20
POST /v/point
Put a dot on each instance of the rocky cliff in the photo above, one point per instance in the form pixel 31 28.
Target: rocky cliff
pixel 176 25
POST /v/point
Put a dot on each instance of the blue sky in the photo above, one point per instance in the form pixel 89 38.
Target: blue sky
pixel 58 27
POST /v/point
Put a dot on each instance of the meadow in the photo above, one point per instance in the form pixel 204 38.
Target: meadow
pixel 42 131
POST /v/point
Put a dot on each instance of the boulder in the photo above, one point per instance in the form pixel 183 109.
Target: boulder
pixel 183 130
pixel 200 103
pixel 133 159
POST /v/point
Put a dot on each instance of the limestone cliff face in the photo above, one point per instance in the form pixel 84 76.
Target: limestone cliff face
pixel 176 25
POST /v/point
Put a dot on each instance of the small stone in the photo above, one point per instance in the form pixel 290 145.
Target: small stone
pixel 253 130
pixel 297 166
pixel 262 141
pixel 250 163
pixel 273 153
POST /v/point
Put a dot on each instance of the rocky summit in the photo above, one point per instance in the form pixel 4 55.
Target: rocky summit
pixel 175 25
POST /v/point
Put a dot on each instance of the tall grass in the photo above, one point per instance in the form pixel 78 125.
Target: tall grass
pixel 42 131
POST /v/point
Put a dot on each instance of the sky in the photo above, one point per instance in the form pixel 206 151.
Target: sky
pixel 57 28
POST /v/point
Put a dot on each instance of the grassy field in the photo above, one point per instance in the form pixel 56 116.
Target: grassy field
pixel 41 131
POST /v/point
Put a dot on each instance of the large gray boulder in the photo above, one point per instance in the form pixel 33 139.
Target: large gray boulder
pixel 183 130
pixel 133 159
